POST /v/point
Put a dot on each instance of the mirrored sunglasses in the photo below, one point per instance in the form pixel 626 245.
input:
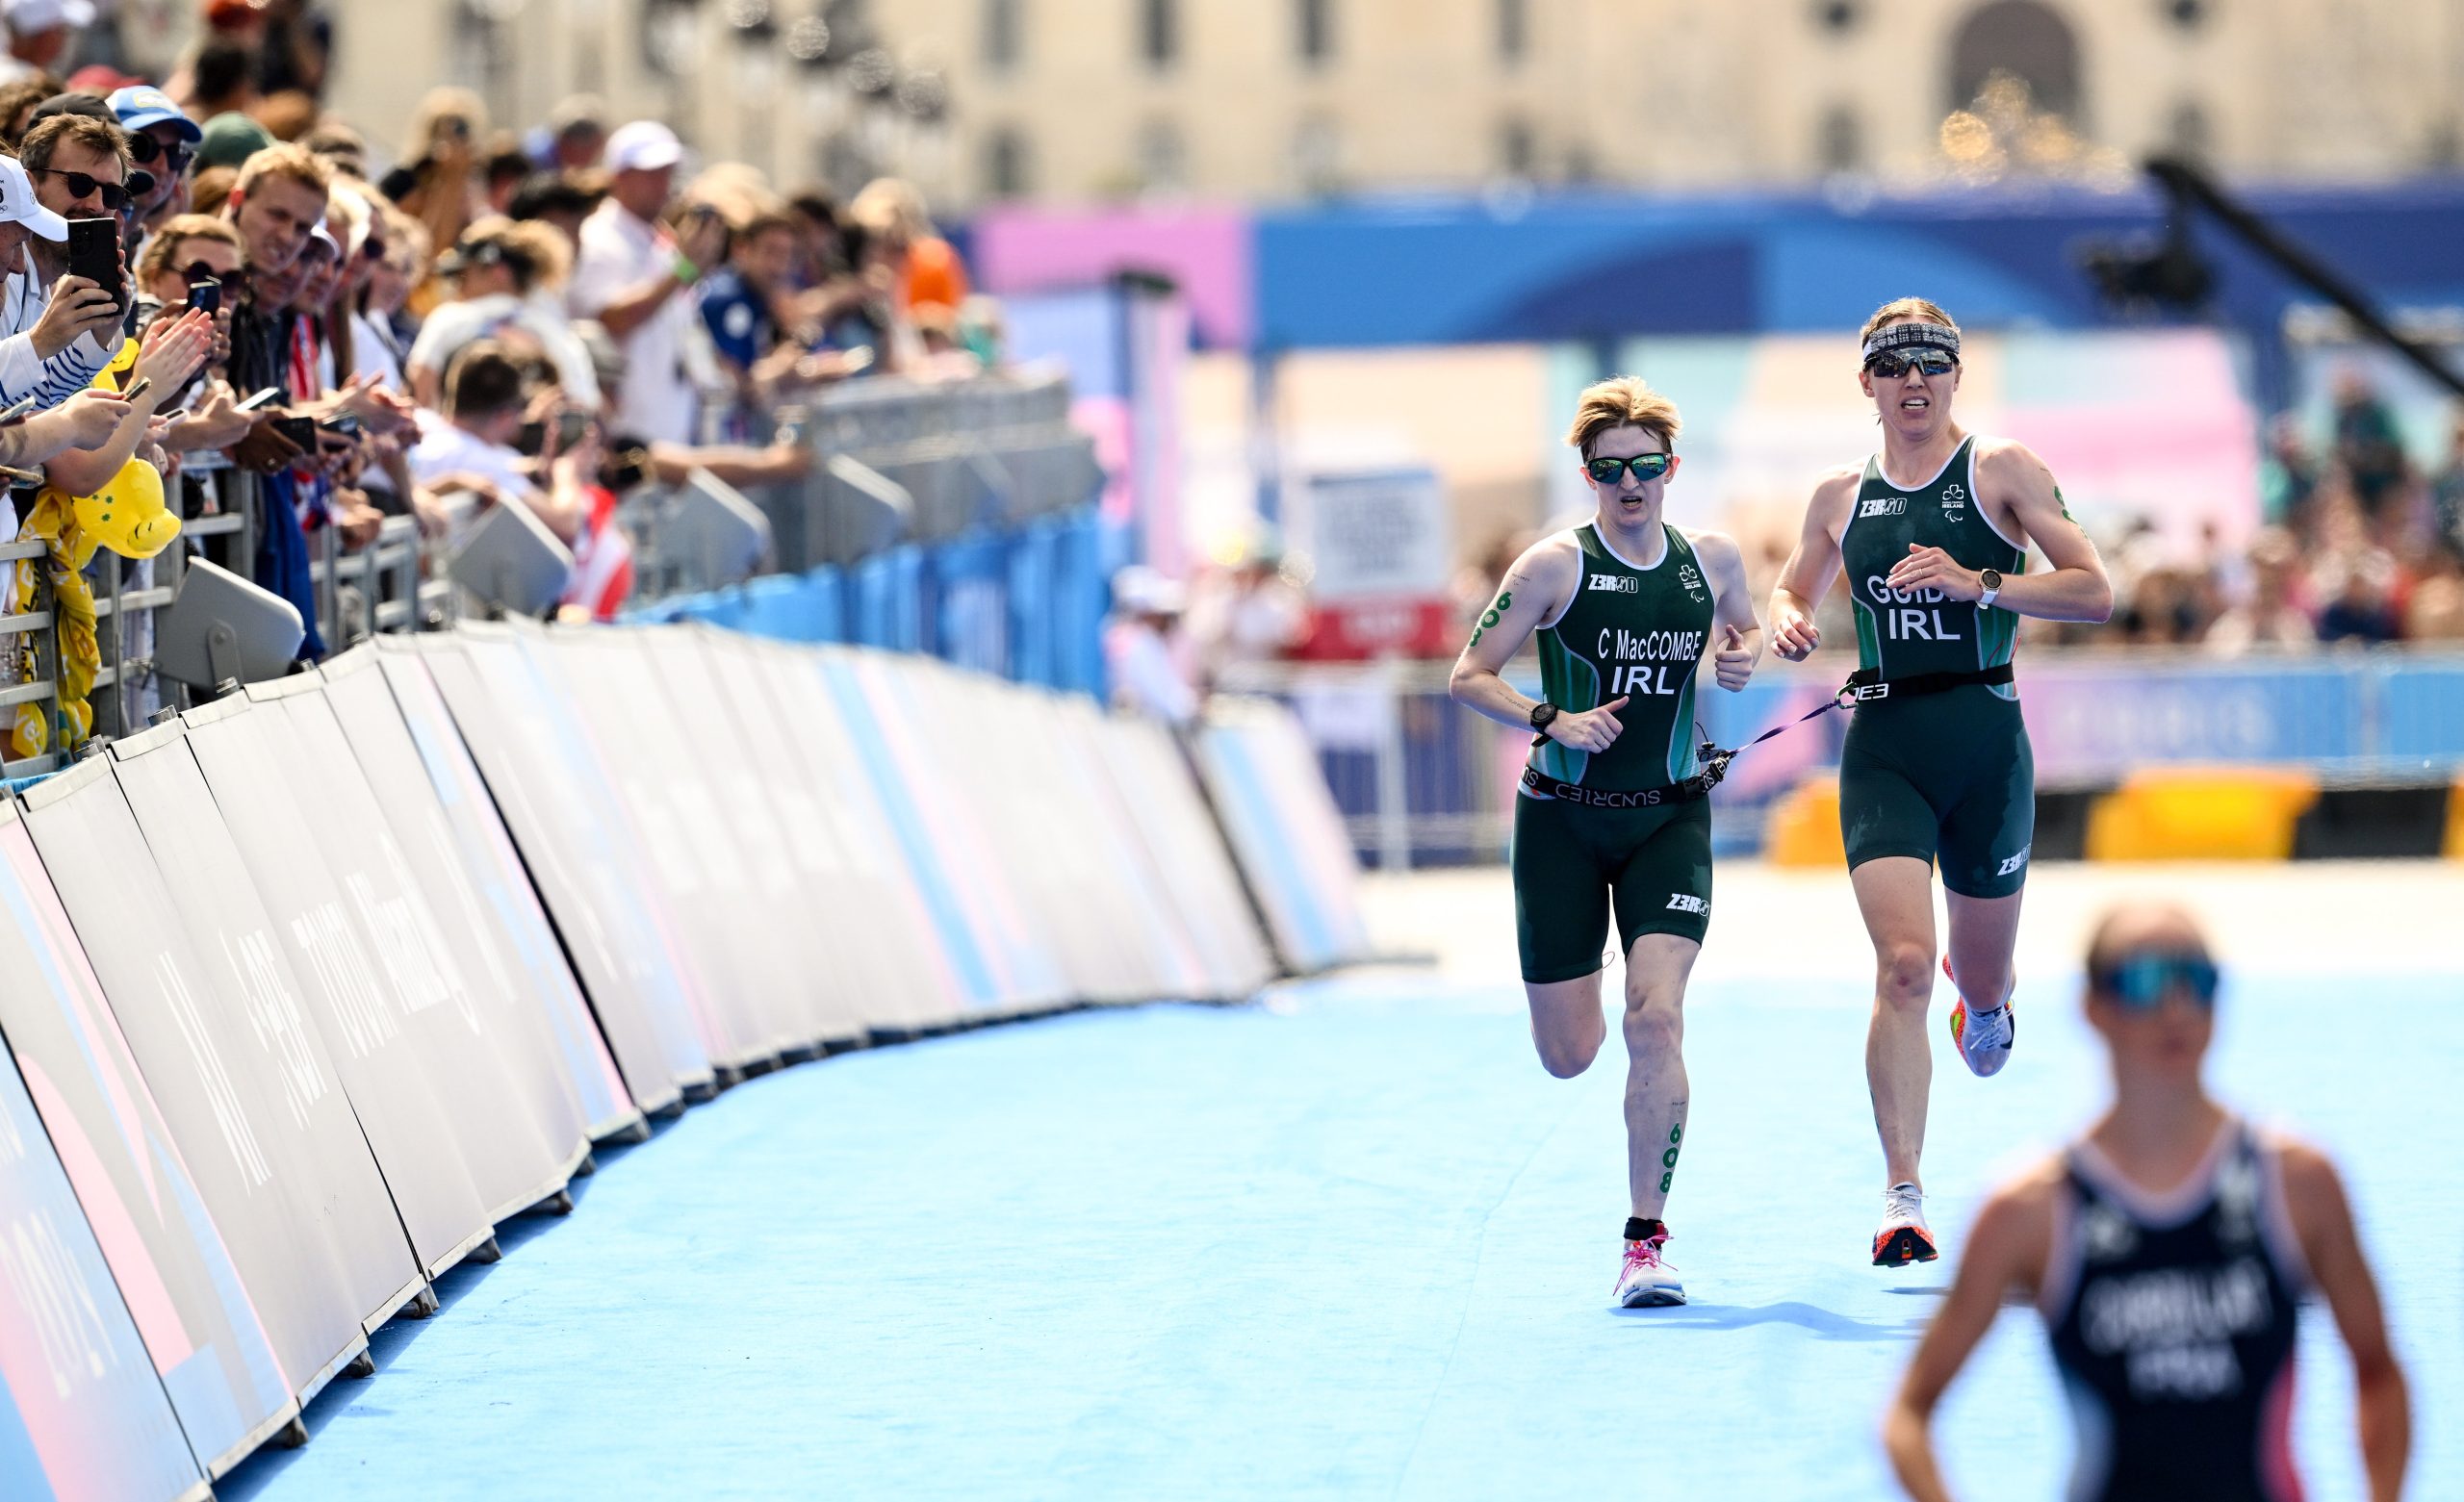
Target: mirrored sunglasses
pixel 2142 982
pixel 1891 365
pixel 1605 470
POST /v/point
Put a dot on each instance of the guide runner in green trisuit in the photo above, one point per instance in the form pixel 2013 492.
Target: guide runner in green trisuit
pixel 1933 532
pixel 1625 606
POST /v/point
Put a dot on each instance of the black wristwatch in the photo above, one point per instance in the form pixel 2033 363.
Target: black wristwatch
pixel 1991 579
pixel 1541 714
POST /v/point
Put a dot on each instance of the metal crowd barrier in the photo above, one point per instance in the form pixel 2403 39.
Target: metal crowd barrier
pixel 1422 780
pixel 380 589
pixel 900 460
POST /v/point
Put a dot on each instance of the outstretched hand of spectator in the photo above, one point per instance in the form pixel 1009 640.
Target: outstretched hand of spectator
pixel 171 351
pixel 378 410
pixel 265 449
pixel 214 420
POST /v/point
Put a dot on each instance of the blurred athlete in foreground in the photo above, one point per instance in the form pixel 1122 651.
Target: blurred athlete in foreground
pixel 1625 606
pixel 2167 1250
pixel 1933 532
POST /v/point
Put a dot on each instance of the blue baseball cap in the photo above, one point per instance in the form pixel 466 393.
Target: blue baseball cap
pixel 144 104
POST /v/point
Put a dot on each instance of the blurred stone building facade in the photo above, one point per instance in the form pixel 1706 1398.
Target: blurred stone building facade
pixel 1262 100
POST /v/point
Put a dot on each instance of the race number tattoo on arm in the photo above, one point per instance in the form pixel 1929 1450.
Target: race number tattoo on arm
pixel 1489 618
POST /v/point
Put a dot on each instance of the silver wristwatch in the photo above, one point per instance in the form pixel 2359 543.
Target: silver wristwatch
pixel 1992 587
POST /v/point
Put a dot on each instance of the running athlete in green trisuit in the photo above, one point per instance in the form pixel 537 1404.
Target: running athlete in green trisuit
pixel 1933 533
pixel 1626 606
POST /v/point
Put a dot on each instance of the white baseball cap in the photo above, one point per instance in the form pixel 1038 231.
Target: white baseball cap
pixel 19 206
pixel 643 146
pixel 26 17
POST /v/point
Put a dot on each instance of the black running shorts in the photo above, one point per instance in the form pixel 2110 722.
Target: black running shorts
pixel 1944 777
pixel 1570 864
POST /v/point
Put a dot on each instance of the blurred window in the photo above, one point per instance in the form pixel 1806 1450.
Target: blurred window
pixel 1514 30
pixel 1316 152
pixel 1005 163
pixel 1163 157
pixel 1518 154
pixel 2190 133
pixel 2028 39
pixel 1158 40
pixel 1843 146
pixel 1003 35
pixel 1317 30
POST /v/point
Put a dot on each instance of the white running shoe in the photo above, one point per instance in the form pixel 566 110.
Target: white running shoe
pixel 1903 1238
pixel 1984 1037
pixel 1648 1280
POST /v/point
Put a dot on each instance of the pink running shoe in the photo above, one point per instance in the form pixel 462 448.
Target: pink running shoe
pixel 1646 1281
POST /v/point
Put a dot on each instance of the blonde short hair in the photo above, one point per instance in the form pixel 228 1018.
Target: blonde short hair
pixel 286 159
pixel 1625 401
pixel 1921 309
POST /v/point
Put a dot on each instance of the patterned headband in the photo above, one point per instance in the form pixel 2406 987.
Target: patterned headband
pixel 1901 335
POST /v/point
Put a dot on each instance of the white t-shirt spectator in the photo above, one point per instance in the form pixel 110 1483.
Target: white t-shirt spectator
pixel 455 324
pixel 445 450
pixel 619 253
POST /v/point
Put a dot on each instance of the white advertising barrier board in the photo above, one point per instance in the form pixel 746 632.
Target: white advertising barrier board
pixel 843 842
pixel 175 1274
pixel 1070 862
pixel 82 1413
pixel 208 881
pixel 517 1018
pixel 1189 848
pixel 383 1066
pixel 1176 855
pixel 971 748
pixel 697 872
pixel 1272 800
pixel 516 921
pixel 733 763
pixel 473 1064
pixel 849 932
pixel 264 1131
pixel 549 784
pixel 1009 969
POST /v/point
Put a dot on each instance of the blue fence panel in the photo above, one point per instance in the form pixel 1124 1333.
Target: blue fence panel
pixel 2422 713
pixel 971 604
pixel 890 601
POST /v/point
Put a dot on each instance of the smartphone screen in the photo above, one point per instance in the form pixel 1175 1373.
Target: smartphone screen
pixel 93 253
pixel 301 431
pixel 205 297
pixel 572 427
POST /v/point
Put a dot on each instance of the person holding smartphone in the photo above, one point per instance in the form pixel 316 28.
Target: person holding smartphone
pixel 68 166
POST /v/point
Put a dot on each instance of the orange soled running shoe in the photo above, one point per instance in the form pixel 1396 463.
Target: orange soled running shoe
pixel 1903 1238
pixel 1984 1037
pixel 1646 1281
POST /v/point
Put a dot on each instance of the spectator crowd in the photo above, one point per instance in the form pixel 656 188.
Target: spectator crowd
pixel 549 320
pixel 2359 547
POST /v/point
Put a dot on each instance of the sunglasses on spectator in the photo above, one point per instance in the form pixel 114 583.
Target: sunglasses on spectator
pixel 114 196
pixel 146 150
pixel 1927 362
pixel 2141 983
pixel 233 282
pixel 1605 470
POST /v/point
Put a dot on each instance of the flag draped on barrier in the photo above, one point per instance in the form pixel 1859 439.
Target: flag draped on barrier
pixel 307 990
